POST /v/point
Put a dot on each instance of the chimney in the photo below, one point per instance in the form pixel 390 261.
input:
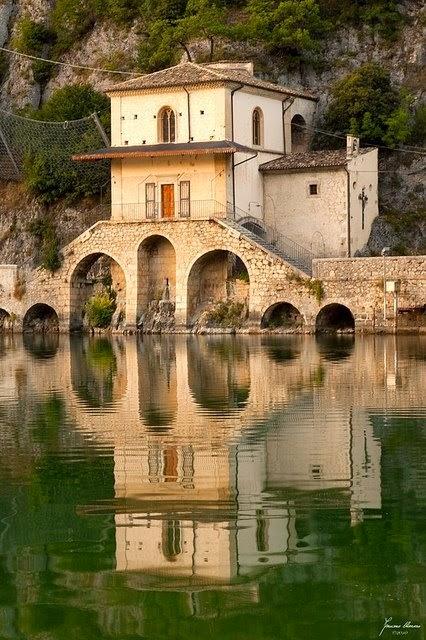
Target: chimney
pixel 225 65
pixel 352 147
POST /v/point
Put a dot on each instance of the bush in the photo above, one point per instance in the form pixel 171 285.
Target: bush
pixel 100 309
pixel 44 230
pixel 73 102
pixel 226 314
pixel 366 104
pixel 32 36
pixel 418 128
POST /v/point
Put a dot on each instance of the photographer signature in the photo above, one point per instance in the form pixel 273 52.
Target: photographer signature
pixel 399 629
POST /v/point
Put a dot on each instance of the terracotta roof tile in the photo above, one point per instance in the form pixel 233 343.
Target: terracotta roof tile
pixel 190 73
pixel 311 159
pixel 163 149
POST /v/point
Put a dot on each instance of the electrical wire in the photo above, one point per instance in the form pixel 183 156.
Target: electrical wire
pixel 68 64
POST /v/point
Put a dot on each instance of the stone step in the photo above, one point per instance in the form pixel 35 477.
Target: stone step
pixel 267 246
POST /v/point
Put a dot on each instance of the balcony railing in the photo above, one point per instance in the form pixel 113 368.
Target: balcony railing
pixel 181 210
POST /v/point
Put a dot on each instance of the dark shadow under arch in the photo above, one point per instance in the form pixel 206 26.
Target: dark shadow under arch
pixel 41 318
pixel 335 317
pixel 282 315
pixel 5 321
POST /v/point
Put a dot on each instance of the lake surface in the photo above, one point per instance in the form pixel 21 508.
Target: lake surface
pixel 241 488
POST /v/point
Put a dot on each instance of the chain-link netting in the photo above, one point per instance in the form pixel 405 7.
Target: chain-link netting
pixel 24 141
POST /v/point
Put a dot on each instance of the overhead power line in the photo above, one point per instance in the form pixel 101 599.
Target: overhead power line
pixel 420 151
pixel 68 64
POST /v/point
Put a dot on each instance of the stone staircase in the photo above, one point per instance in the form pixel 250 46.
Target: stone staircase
pixel 271 241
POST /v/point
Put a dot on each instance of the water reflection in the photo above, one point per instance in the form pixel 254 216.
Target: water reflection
pixel 196 481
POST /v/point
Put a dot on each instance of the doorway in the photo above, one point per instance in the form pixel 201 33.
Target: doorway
pixel 167 201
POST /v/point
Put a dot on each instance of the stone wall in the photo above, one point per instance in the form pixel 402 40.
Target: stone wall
pixel 356 283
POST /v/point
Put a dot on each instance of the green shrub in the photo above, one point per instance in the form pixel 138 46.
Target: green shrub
pixel 366 104
pixel 44 230
pixel 100 309
pixel 226 314
pixel 418 127
pixel 32 36
pixel 73 102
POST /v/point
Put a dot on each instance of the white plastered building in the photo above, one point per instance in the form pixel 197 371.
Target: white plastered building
pixel 212 140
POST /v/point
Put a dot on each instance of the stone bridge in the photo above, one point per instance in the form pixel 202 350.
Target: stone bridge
pixel 194 257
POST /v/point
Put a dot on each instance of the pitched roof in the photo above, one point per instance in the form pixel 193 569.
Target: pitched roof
pixel 164 149
pixel 190 73
pixel 311 159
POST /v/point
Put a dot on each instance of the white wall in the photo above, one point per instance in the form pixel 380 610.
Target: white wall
pixel 363 170
pixel 303 107
pixel 209 125
pixel 319 222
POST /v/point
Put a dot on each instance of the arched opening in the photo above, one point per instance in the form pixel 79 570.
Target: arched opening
pixel 98 293
pixel 299 134
pixel 218 289
pixel 219 373
pixel 335 317
pixel 41 318
pixel 6 323
pixel 166 125
pixel 257 127
pixel 282 315
pixel 156 284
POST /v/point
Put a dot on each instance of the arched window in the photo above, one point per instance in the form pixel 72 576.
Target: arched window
pixel 257 126
pixel 167 125
pixel 299 134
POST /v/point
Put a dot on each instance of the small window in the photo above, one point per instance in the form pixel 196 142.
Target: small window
pixel 313 189
pixel 185 201
pixel 135 116
pixel 257 126
pixel 167 125
pixel 150 199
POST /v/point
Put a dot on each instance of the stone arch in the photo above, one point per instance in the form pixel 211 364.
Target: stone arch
pixel 95 273
pixel 335 317
pixel 156 275
pixel 282 315
pixel 299 134
pixel 41 318
pixel 216 276
pixel 6 323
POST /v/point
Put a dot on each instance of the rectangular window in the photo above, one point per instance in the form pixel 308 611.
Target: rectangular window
pixel 313 189
pixel 150 199
pixel 185 203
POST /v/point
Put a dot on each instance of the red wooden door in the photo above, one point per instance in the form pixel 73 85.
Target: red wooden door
pixel 167 200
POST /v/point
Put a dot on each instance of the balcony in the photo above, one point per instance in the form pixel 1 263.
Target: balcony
pixel 178 210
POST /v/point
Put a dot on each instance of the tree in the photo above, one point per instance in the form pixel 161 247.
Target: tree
pixel 73 102
pixel 366 104
pixel 294 27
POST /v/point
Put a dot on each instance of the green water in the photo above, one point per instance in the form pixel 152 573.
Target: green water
pixel 212 488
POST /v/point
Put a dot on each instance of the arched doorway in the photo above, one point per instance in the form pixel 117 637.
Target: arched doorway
pixel 299 134
pixel 218 284
pixel 282 315
pixel 41 318
pixel 156 283
pixel 335 317
pixel 98 293
pixel 6 323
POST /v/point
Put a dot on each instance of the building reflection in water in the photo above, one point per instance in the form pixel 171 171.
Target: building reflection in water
pixel 216 441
